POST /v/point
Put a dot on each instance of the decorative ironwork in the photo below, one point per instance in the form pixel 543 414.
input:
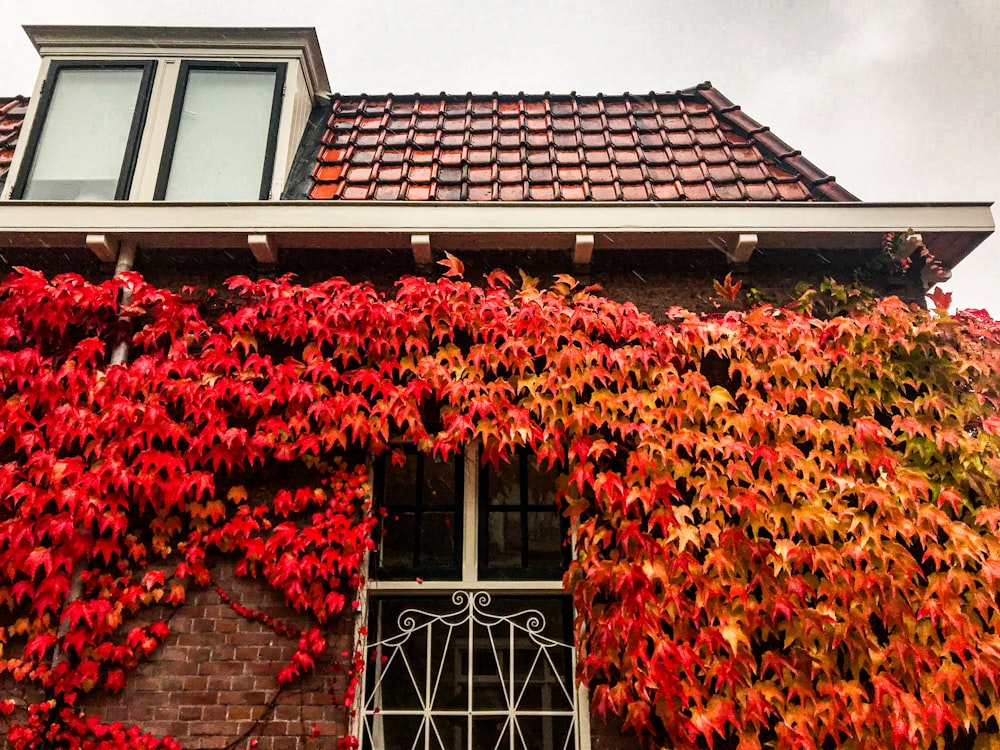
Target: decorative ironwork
pixel 477 676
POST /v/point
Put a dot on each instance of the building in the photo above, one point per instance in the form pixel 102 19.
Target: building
pixel 193 155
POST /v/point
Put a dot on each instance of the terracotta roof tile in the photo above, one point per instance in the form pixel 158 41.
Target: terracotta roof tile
pixel 686 145
pixel 733 192
pixel 11 119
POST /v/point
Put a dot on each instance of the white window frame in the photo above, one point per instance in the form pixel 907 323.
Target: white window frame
pixel 463 593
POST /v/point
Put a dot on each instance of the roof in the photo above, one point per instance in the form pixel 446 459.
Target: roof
pixel 693 144
pixel 11 117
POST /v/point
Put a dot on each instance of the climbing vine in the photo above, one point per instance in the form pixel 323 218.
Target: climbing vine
pixel 786 521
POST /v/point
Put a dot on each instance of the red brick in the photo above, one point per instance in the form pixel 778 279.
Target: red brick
pixel 288 712
pixel 203 625
pixel 242 698
pixel 220 682
pixel 240 713
pixel 247 653
pixel 194 683
pixel 189 713
pixel 215 713
pixel 220 667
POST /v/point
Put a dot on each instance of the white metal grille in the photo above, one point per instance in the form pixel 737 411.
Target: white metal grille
pixel 467 673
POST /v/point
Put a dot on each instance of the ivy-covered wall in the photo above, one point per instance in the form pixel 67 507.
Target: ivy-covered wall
pixel 786 517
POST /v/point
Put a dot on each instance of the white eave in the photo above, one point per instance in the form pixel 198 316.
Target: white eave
pixel 951 230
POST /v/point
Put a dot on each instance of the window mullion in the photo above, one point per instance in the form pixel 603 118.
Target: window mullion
pixel 470 517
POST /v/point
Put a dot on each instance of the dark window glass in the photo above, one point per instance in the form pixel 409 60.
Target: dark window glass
pixel 522 534
pixel 421 502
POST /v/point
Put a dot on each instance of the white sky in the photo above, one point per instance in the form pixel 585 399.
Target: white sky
pixel 897 98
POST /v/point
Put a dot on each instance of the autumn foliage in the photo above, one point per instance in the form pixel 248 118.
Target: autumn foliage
pixel 786 519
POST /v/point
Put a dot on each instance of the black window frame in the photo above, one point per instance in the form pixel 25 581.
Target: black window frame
pixel 139 116
pixel 176 109
pixel 439 573
pixel 485 571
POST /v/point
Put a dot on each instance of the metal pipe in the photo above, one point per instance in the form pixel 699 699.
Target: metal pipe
pixel 126 261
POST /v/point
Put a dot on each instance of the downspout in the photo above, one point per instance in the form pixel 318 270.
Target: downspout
pixel 125 262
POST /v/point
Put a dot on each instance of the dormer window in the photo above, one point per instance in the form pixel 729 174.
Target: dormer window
pixel 90 120
pixel 178 115
pixel 222 133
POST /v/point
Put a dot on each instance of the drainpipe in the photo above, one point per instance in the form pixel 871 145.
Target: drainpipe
pixel 126 261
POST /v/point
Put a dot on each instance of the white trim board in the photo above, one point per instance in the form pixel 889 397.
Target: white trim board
pixel 951 230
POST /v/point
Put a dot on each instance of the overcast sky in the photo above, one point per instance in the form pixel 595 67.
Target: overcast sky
pixel 899 100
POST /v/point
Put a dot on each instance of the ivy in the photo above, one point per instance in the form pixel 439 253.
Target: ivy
pixel 786 521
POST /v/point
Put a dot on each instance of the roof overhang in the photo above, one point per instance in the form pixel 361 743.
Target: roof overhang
pixel 188 41
pixel 950 230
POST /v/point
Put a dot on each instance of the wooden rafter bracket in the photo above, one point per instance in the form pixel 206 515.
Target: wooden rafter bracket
pixel 263 249
pixel 741 248
pixel 103 246
pixel 583 251
pixel 737 249
pixel 423 258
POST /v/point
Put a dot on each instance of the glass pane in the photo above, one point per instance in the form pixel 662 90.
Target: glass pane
pixel 83 142
pixel 544 733
pixel 393 688
pixel 505 484
pixel 450 733
pixel 394 732
pixel 437 540
pixel 400 483
pixel 439 483
pixel 542 671
pixel 396 676
pixel 491 667
pixel 451 660
pixel 505 540
pixel 541 674
pixel 421 524
pixel 399 535
pixel 487 733
pixel 222 135
pixel 541 485
pixel 545 540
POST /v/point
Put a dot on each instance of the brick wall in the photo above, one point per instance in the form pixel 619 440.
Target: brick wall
pixel 214 679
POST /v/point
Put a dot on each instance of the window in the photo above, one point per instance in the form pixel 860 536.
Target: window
pixel 470 640
pixel 85 139
pixel 222 133
pixel 221 125
pixel 521 535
